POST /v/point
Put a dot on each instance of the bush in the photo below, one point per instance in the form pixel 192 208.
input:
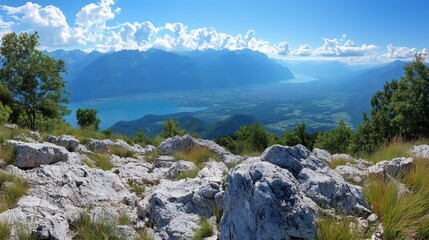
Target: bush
pixel 141 138
pixel 337 140
pixel 87 117
pixel 171 128
pixel 5 111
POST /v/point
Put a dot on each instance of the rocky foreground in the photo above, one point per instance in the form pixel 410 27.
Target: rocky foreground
pixel 279 195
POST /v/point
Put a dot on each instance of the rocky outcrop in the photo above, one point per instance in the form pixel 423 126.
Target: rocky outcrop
pixel 186 143
pixel 31 155
pixel 100 146
pixel 421 151
pixel 264 201
pixel 67 141
pixel 388 170
pixel 179 167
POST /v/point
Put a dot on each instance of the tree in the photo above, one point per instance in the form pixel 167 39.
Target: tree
pixel 171 128
pixel 33 79
pixel 141 138
pixel 87 117
pixel 337 140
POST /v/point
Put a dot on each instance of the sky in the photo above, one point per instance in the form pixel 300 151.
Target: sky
pixel 354 31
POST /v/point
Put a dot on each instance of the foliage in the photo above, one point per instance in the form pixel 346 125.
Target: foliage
pixel 100 229
pixel 400 109
pixel 87 117
pixel 33 79
pixel 171 128
pixel 337 140
pixel 329 228
pixel 123 219
pixel 7 153
pixel 9 195
pixel 144 235
pixel 5 112
pixel 137 188
pixel 158 139
pixel 205 230
pixel 337 162
pixel 141 138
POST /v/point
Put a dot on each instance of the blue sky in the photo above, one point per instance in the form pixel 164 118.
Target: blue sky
pixel 353 31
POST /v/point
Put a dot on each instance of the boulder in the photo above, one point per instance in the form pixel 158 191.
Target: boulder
pixel 322 155
pixel 176 144
pixel 164 161
pixel 213 171
pixel 420 151
pixel 31 155
pixel 100 146
pixel 356 173
pixel 179 167
pixel 264 201
pixel 388 170
pixel 286 157
pixel 67 141
pixel 176 207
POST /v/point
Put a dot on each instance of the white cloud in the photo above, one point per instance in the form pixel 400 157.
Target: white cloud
pixel 403 52
pixel 303 50
pixel 48 21
pixel 333 47
pixel 96 14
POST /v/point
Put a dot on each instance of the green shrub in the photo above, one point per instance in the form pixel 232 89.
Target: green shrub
pixel 205 230
pixel 329 228
pixel 5 111
pixel 102 161
pixel 141 138
pixel 158 139
pixel 171 128
pixel 10 195
pixel 337 140
pixel 87 118
pixel 102 229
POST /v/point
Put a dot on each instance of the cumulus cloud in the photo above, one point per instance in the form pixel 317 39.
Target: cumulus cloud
pixel 303 50
pixel 333 47
pixel 403 52
pixel 96 14
pixel 49 21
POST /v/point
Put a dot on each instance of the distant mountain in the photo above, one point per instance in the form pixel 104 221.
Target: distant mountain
pixel 319 69
pixel 152 125
pixel 133 72
pixel 75 60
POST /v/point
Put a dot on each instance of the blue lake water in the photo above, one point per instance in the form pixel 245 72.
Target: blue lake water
pixel 300 79
pixel 111 111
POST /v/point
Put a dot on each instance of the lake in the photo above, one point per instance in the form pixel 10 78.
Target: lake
pixel 111 111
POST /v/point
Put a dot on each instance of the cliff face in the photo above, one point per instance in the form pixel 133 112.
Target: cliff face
pixel 278 195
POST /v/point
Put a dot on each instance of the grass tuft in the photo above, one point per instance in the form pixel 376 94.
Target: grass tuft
pixel 150 158
pixel 198 155
pixel 396 148
pixel 122 152
pixel 191 174
pixel 102 161
pixel 337 162
pixel 11 189
pixel 7 153
pixel 144 235
pixel 137 188
pixel 205 230
pixel 102 229
pixel 4 230
pixel 123 219
pixel 329 228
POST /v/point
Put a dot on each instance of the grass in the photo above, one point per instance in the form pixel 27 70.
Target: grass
pixel 403 216
pixel 10 195
pixel 329 228
pixel 205 230
pixel 7 153
pixel 102 229
pixel 150 158
pixel 396 148
pixel 191 174
pixel 137 188
pixel 337 162
pixel 144 235
pixel 198 155
pixel 122 152
pixel 24 234
pixel 102 161
pixel 4 230
pixel 6 133
pixel 123 219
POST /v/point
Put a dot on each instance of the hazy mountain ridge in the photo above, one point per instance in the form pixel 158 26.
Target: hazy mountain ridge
pixel 133 72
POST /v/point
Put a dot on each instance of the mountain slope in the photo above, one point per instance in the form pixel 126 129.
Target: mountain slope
pixel 134 72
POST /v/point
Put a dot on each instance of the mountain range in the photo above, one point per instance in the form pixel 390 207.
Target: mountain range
pixel 97 75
